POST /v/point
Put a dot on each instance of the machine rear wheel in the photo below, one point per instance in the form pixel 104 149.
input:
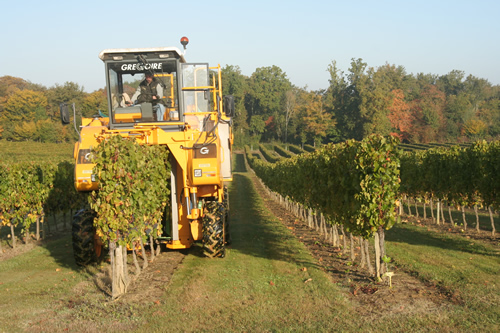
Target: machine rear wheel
pixel 213 229
pixel 86 248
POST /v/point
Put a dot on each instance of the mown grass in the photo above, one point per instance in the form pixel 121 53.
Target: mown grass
pixel 32 284
pixel 467 270
pixel 44 291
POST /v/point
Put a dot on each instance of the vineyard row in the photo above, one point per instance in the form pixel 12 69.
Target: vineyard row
pixel 354 184
pixel 30 191
pixel 464 175
pixel 359 185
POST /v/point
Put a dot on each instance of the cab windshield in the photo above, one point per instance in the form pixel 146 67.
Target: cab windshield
pixel 143 92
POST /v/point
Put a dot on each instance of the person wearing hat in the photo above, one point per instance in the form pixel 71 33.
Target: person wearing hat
pixel 150 91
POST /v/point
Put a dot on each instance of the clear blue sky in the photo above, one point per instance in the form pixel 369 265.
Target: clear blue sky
pixel 49 42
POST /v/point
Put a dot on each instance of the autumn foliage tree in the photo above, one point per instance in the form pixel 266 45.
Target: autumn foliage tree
pixel 428 111
pixel 25 105
pixel 20 113
pixel 30 111
pixel 315 119
pixel 400 116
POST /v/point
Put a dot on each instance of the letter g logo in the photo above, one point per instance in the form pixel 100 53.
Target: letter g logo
pixel 204 150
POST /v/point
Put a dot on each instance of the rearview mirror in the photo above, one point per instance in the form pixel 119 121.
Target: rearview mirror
pixel 229 106
pixel 63 107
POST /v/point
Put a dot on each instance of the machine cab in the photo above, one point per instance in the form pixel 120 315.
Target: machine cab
pixel 176 93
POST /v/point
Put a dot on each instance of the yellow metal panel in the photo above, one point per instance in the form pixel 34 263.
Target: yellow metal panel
pixel 205 171
pixel 127 117
pixel 196 229
pixel 178 245
pixel 83 180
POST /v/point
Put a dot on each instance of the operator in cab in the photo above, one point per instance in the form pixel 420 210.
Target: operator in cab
pixel 150 90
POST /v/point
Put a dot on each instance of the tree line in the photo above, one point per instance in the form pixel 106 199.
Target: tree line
pixel 386 100
pixel 362 101
pixel 30 111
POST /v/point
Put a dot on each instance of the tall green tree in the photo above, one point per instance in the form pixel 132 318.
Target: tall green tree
pixel 257 126
pixel 289 109
pixel 337 98
pixel 46 131
pixel 478 91
pixel 489 113
pixel 235 83
pixel 451 83
pixel 346 97
pixel 268 85
pixel 375 91
pixel 458 110
pixel 267 88
pixel 69 92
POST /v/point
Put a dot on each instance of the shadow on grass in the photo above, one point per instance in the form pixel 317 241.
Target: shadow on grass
pixel 60 249
pixel 239 163
pixel 419 236
pixel 255 231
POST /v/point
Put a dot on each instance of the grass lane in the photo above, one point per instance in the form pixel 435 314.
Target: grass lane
pixel 259 286
pixel 33 284
pixel 467 269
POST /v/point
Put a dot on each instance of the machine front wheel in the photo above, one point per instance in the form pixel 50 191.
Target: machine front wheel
pixel 86 248
pixel 213 229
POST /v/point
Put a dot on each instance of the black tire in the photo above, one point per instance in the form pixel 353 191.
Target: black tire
pixel 83 235
pixel 213 229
